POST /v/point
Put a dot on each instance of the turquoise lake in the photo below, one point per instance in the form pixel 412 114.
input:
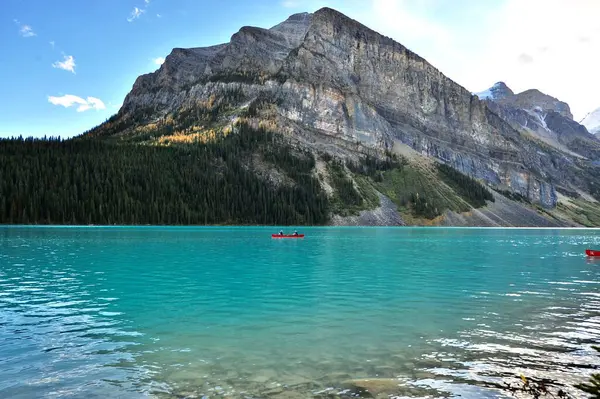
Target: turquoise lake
pixel 97 312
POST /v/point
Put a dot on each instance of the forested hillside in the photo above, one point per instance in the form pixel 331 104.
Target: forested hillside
pixel 227 179
pixel 95 182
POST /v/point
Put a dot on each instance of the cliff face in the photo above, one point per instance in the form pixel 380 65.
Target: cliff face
pixel 332 83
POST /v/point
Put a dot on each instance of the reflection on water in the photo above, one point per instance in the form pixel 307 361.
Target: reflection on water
pixel 192 312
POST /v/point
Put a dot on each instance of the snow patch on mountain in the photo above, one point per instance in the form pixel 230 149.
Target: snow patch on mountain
pixel 486 94
pixel 496 92
pixel 592 122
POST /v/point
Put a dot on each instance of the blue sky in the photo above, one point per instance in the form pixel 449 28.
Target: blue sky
pixel 87 54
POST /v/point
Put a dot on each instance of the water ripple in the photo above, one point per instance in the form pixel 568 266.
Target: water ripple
pixel 125 311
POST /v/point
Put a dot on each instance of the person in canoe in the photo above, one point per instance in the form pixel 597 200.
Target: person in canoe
pixel 295 232
pixel 280 232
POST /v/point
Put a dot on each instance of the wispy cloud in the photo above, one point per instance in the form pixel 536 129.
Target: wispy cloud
pixel 135 14
pixel 68 64
pixel 52 44
pixel 290 3
pixel 159 60
pixel 69 100
pixel 147 1
pixel 25 30
pixel 159 16
pixel 524 58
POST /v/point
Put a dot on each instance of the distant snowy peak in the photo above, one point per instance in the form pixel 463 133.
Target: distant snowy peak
pixel 592 122
pixel 497 92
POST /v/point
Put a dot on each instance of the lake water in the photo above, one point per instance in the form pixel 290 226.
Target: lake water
pixel 229 312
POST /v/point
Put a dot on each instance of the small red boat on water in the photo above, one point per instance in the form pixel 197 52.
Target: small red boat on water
pixel 591 252
pixel 289 236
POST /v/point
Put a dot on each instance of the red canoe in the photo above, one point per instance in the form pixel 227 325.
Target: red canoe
pixel 287 236
pixel 591 252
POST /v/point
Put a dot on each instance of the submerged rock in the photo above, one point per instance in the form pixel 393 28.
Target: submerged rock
pixel 371 387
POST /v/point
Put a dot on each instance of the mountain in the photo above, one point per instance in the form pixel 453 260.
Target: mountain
pixel 592 122
pixel 533 98
pixel 497 92
pixel 393 139
pixel 544 116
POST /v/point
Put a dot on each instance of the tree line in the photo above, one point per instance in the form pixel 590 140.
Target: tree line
pixel 51 181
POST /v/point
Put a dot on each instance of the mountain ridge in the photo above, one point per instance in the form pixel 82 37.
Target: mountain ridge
pixel 548 118
pixel 348 91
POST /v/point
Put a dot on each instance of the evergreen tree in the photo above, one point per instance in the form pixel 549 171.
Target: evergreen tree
pixel 85 181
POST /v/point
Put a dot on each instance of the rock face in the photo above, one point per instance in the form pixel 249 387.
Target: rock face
pixel 384 215
pixel 502 213
pixel 535 99
pixel 328 79
pixel 250 53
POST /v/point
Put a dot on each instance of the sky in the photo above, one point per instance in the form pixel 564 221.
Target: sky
pixel 67 65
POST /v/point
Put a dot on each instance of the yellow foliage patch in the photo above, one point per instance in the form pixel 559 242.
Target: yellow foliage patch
pixel 196 136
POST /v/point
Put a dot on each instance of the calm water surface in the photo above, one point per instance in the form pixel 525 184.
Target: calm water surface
pixel 229 312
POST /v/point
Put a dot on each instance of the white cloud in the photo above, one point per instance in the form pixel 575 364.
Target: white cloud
pixel 52 44
pixel 559 39
pixel 408 22
pixel 550 45
pixel 290 3
pixel 136 13
pixel 25 30
pixel 70 100
pixel 159 60
pixel 68 64
pixel 147 1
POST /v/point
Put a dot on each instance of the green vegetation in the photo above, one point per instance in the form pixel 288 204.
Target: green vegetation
pixel 581 211
pixel 367 191
pixel 468 188
pixel 374 167
pixel 514 196
pixel 419 192
pixel 354 183
pixel 346 200
pixel 94 182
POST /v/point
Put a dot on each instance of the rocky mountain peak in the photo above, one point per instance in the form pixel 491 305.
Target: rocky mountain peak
pixel 533 98
pixel 497 92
